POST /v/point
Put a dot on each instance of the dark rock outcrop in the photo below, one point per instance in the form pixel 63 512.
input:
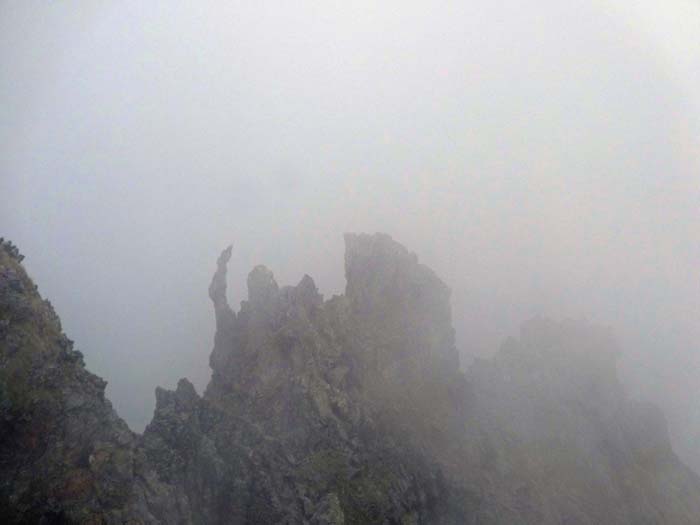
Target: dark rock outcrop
pixel 65 456
pixel 346 411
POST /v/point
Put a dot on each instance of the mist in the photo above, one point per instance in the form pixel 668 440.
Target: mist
pixel 542 158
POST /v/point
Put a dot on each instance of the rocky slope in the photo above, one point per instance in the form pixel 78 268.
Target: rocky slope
pixel 65 456
pixel 349 410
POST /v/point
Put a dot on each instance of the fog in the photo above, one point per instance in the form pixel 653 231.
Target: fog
pixel 543 158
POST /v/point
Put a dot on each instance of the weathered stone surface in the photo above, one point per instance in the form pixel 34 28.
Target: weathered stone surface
pixel 65 456
pixel 346 411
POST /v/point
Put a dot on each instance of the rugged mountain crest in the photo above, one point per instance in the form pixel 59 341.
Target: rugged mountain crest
pixel 351 410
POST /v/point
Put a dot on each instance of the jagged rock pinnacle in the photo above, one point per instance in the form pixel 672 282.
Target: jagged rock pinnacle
pixel 262 287
pixel 386 283
pixel 217 289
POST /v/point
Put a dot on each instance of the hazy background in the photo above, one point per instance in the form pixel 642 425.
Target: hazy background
pixel 543 158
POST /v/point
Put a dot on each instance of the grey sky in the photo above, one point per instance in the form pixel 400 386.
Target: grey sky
pixel 543 158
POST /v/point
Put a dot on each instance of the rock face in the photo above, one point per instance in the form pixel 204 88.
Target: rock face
pixel 65 456
pixel 351 410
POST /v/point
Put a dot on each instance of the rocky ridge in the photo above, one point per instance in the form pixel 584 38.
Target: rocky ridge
pixel 348 410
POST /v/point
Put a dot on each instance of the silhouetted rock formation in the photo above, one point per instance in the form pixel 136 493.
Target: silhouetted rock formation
pixel 350 410
pixel 559 430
